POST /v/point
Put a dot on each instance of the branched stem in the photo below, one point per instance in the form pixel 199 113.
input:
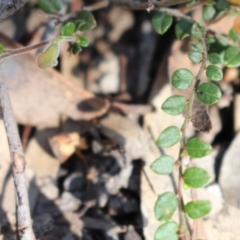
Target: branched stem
pixel 184 230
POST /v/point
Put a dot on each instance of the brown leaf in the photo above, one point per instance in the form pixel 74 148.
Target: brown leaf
pixel 200 118
pixel 40 97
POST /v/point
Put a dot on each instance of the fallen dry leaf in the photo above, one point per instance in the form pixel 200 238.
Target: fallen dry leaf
pixel 200 118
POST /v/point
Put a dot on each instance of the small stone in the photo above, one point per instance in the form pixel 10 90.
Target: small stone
pixel 48 188
pixel 42 224
pixel 97 147
pixel 122 204
pixel 69 236
pixel 76 181
pixel 69 202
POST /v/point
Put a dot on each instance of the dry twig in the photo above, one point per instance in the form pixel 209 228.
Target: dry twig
pixel 24 228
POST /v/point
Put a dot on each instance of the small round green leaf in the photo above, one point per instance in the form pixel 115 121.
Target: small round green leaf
pixel 214 58
pixel 183 29
pixel 161 22
pixel 174 105
pixel 196 177
pixel 197 46
pixel 50 6
pixel 163 165
pixel 216 45
pixel 222 5
pixel 167 231
pixel 214 73
pixel 198 31
pixel 83 41
pixel 209 93
pixel 48 58
pixel 232 57
pixel 68 29
pixel 195 57
pixel 196 148
pixel 198 209
pixel 234 35
pixel 168 137
pixel 165 206
pixel 85 21
pixel 76 48
pixel 209 12
pixel 182 78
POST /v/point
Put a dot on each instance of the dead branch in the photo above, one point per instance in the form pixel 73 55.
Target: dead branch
pixel 24 227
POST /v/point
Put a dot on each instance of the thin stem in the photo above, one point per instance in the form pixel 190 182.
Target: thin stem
pixel 23 50
pixel 24 227
pixel 184 230
pixel 174 13
pixel 26 49
pixel 151 4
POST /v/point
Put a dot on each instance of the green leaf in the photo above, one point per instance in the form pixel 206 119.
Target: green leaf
pixel 196 148
pixel 85 21
pixel 195 57
pixel 209 12
pixel 232 57
pixel 161 22
pixel 198 31
pixel 167 231
pixel 209 93
pixel 174 105
pixel 197 47
pixel 182 78
pixel 196 177
pixel 222 5
pixel 198 209
pixel 214 73
pixel 165 206
pixel 168 137
pixel 68 29
pixel 183 28
pixel 76 48
pixel 163 165
pixel 2 49
pixel 216 45
pixel 50 6
pixel 234 35
pixel 214 58
pixel 83 41
pixel 48 58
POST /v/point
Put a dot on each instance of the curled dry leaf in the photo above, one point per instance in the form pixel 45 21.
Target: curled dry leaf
pixel 200 118
pixel 41 97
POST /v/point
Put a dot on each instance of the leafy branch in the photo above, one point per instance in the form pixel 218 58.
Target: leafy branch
pixel 209 94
